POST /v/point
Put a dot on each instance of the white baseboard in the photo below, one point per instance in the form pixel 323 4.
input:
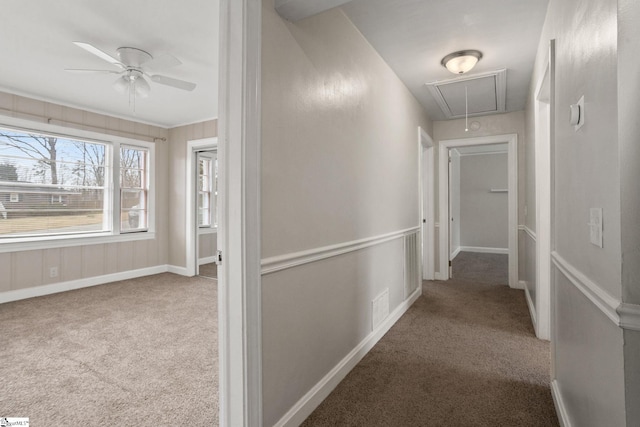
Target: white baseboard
pixel 456 252
pixel 520 285
pixel 54 288
pixel 532 309
pixel 310 401
pixel 561 409
pixel 439 276
pixel 483 250
pixel 207 260
pixel 181 271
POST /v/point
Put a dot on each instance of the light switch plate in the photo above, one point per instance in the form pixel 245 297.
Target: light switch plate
pixel 595 226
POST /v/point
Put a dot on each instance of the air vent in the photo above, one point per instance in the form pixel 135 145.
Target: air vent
pixel 486 94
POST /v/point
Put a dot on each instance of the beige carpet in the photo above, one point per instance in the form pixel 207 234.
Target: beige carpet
pixel 140 352
pixel 208 270
pixel 464 354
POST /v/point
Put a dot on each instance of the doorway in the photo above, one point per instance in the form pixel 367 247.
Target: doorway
pixel 446 148
pixel 201 207
pixel 427 205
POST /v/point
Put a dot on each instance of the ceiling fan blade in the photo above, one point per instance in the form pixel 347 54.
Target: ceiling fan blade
pixel 179 84
pixel 162 62
pixel 100 54
pixel 85 71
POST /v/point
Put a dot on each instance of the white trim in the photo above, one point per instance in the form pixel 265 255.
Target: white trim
pixel 52 242
pixel 207 260
pixel 283 262
pixel 426 164
pixel 444 146
pixel 543 189
pixel 561 408
pixel 239 172
pixel 191 231
pixel 594 292
pixel 456 252
pixel 484 153
pixel 207 230
pixel 629 316
pixel 440 276
pixel 532 309
pixel 55 288
pixel 310 401
pixel 181 271
pixel 530 233
pixel 521 285
pixel 483 250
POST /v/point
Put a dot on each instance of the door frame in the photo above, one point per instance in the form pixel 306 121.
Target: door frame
pixel 427 205
pixel 544 179
pixel 443 165
pixel 239 273
pixel 191 232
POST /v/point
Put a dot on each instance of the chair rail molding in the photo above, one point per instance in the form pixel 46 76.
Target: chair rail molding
pixel 294 259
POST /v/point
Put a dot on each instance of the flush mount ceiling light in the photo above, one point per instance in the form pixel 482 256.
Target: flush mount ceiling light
pixel 461 61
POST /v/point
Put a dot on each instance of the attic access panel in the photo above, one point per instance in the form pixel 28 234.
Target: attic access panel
pixel 486 94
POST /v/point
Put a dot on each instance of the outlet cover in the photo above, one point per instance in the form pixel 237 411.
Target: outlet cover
pixel 53 272
pixel 595 226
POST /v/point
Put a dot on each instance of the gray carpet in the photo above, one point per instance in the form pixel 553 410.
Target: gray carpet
pixel 140 352
pixel 464 354
pixel 481 268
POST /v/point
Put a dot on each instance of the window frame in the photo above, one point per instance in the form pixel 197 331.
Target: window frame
pixel 111 196
pixel 212 157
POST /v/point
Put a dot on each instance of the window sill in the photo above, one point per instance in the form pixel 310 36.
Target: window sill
pixel 51 242
pixel 207 230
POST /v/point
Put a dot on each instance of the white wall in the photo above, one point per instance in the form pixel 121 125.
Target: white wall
pixel 596 364
pixel 22 270
pixel 484 216
pixel 339 163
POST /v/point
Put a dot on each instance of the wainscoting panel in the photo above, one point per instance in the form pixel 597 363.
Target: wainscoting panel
pixel 317 307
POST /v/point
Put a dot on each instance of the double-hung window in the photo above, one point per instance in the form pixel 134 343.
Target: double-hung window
pixel 207 189
pixel 75 185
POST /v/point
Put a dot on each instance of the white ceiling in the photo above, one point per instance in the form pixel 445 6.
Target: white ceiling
pixel 414 35
pixel 36 46
pixel 411 35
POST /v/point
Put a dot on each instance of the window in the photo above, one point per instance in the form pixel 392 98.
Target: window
pixel 133 188
pixel 207 189
pixel 62 185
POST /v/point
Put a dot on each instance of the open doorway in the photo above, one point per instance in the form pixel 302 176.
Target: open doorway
pixel 449 206
pixel 478 207
pixel 201 206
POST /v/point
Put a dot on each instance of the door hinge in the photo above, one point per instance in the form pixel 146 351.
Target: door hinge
pixel 219 258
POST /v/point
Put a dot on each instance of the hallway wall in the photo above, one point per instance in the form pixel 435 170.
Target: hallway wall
pixel 339 166
pixel 595 374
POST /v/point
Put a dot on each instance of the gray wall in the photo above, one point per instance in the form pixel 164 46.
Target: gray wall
pixel 484 216
pixel 339 163
pixel 596 361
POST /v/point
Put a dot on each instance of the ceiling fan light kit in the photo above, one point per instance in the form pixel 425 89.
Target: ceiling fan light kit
pixel 462 61
pixel 133 64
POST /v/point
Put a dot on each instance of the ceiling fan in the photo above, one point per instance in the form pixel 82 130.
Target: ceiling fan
pixel 132 64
